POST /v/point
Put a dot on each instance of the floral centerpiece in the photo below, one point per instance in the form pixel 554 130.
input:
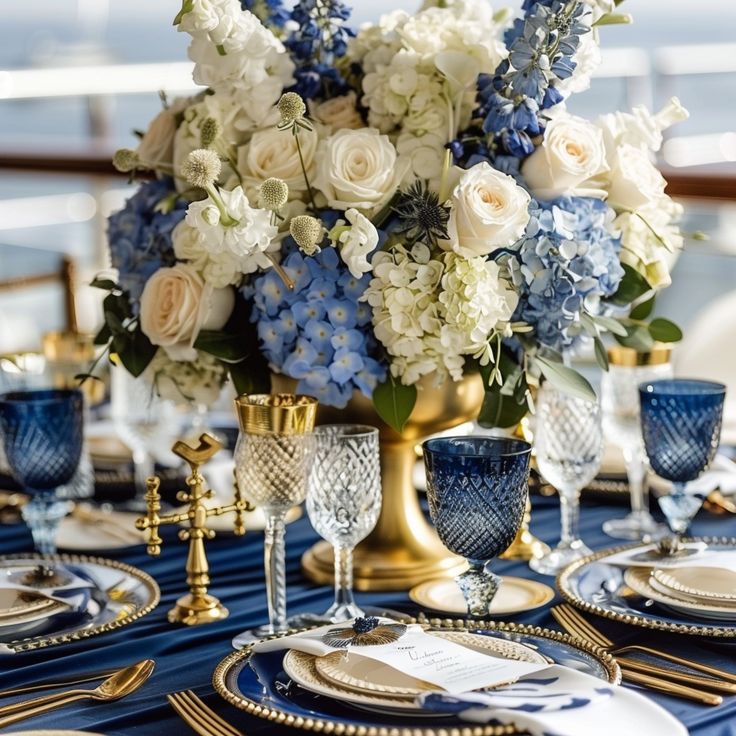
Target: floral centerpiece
pixel 360 209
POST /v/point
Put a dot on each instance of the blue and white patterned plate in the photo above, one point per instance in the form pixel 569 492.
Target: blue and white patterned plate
pixel 596 587
pixel 257 684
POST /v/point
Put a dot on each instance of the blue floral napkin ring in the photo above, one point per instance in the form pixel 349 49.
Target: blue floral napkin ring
pixel 366 631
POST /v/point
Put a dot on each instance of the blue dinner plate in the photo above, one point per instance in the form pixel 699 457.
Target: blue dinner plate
pixel 258 684
pixel 596 587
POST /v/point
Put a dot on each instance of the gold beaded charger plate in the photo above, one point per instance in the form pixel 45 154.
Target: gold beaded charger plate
pixel 120 594
pixel 596 587
pixel 514 596
pixel 365 675
pixel 258 684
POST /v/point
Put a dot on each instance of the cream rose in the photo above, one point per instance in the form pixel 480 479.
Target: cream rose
pixel 273 153
pixel 157 145
pixel 635 180
pixel 358 168
pixel 176 304
pixel 571 154
pixel 339 113
pixel 489 211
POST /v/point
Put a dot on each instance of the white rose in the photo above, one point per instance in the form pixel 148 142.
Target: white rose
pixel 635 180
pixel 489 211
pixel 571 153
pixel 358 168
pixel 176 304
pixel 157 145
pixel 273 153
pixel 356 242
pixel 339 112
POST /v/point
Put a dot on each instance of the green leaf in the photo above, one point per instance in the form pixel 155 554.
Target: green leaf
pixel 103 336
pixel 601 355
pixel 566 379
pixel 588 324
pixel 251 376
pixel 187 7
pixel 637 337
pixel 394 402
pixel 663 330
pixel 501 409
pixel 610 324
pixel 643 310
pixel 82 377
pixel 104 284
pixel 227 347
pixel 612 19
pixel 137 353
pixel 632 286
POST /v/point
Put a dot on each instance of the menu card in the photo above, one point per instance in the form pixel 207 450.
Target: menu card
pixel 446 664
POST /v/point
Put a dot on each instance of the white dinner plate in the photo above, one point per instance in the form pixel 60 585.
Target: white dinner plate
pixel 19 609
pixel 514 596
pixel 706 584
pixel 637 578
pixel 113 530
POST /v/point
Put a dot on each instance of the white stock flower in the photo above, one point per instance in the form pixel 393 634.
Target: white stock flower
pixel 570 156
pixel 196 381
pixel 476 303
pixel 177 304
pixel 273 153
pixel 489 211
pixel 406 320
pixel 355 242
pixel 587 58
pixel 229 246
pixel 358 168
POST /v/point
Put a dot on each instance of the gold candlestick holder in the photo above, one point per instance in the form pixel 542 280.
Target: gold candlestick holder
pixel 197 606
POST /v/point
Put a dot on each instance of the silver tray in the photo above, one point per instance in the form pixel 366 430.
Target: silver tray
pixel 122 595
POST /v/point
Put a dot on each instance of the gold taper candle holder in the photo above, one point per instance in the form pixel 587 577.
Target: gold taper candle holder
pixel 197 606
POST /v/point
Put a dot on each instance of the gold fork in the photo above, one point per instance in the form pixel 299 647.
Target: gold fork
pixel 199 716
pixel 573 622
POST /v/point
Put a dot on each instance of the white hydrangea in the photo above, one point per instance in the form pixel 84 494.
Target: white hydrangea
pixel 476 303
pixel 421 72
pixel 198 381
pixel 355 242
pixel 227 239
pixel 234 53
pixel 406 312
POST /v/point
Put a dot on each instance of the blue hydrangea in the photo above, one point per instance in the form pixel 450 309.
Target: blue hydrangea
pixel 140 236
pixel 318 333
pixel 320 37
pixel 567 260
pixel 269 12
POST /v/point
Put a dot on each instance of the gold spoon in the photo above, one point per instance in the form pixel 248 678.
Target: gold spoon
pixel 122 683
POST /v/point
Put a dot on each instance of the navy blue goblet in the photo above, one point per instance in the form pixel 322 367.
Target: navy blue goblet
pixel 477 489
pixel 41 431
pixel 681 424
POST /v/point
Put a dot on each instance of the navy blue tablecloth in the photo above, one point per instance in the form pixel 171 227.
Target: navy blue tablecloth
pixel 186 657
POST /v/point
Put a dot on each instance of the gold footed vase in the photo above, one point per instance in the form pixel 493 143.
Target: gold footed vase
pixel 404 548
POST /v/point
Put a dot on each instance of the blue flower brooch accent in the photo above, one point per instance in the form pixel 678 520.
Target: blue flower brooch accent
pixel 366 631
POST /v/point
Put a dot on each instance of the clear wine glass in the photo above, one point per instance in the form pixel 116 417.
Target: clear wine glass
pixel 344 501
pixel 273 454
pixel 42 434
pixel 477 489
pixel 681 423
pixel 622 427
pixel 569 449
pixel 140 417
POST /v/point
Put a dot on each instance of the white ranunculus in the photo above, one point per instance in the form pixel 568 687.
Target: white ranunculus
pixel 273 153
pixel 356 242
pixel 176 304
pixel 489 211
pixel 571 154
pixel 338 113
pixel 358 168
pixel 635 181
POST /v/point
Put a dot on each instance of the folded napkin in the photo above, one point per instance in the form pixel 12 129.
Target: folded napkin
pixel 720 475
pixel 701 556
pixel 62 593
pixel 560 701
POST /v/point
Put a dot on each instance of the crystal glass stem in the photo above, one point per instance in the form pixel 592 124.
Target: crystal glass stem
pixel 569 517
pixel 143 468
pixel 42 513
pixel 680 507
pixel 479 585
pixel 275 565
pixel 344 608
pixel 636 472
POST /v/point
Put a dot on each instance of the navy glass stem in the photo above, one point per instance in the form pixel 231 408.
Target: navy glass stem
pixel 477 490
pixel 681 425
